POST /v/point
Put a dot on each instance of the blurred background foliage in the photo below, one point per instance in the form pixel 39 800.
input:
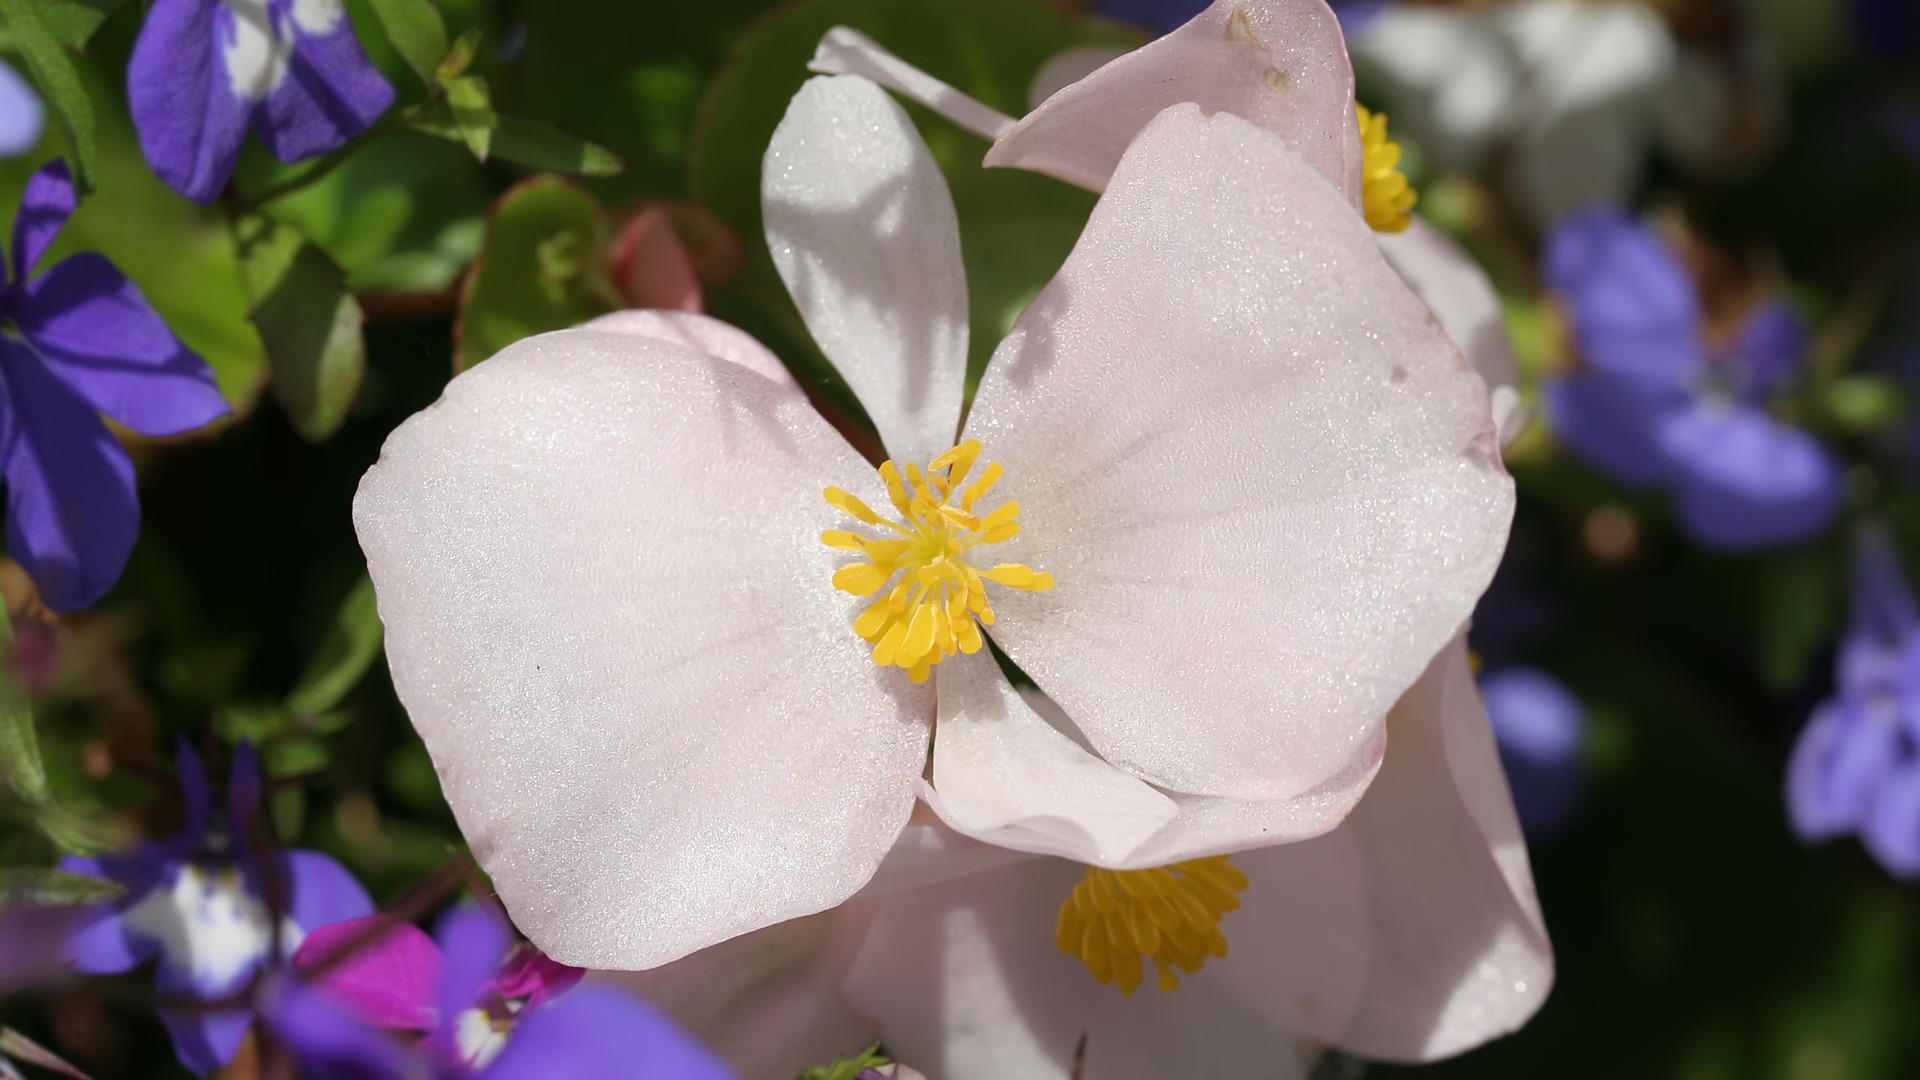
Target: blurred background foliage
pixel 1697 939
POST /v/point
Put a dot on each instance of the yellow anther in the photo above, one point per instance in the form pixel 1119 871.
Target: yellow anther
pixel 1387 196
pixel 1115 919
pixel 939 601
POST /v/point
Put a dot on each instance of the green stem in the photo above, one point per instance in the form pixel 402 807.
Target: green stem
pixel 318 170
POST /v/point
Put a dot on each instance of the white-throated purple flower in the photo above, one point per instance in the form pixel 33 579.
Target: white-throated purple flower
pixel 1856 767
pixel 1657 405
pixel 213 910
pixel 204 71
pixel 487 1011
pixel 75 342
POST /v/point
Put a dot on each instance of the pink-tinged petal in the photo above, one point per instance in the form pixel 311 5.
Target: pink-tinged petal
pixel 1458 293
pixel 653 267
pixel 966 980
pixel 1459 951
pixel 929 853
pixel 608 613
pixel 862 230
pixel 769 1002
pixel 1002 774
pixel 1067 67
pixel 386 971
pixel 702 334
pixel 1281 64
pixel 849 52
pixel 1265 481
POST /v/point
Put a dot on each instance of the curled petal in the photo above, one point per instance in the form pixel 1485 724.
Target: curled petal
pixel 597 560
pixel 871 255
pixel 1263 478
pixel 1002 774
pixel 1281 64
pixel 849 52
pixel 50 199
pixel 1459 950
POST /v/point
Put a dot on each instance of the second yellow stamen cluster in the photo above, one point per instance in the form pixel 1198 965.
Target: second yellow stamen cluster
pixel 1387 196
pixel 940 601
pixel 1170 914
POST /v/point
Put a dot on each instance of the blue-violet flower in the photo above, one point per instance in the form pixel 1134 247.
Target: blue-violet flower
pixel 204 71
pixel 77 341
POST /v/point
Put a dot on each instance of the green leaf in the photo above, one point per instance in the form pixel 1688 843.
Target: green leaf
pixel 472 107
pixel 526 142
pixel 1863 403
pixel 849 1068
pixel 20 762
pixel 1800 611
pixel 72 22
pixel 310 323
pixel 60 84
pixel 56 888
pixel 543 267
pixel 351 645
pixel 418 33
pixel 1015 227
pixel 460 57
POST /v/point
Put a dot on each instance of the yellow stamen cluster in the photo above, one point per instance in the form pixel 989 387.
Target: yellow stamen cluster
pixel 940 601
pixel 1387 196
pixel 1171 915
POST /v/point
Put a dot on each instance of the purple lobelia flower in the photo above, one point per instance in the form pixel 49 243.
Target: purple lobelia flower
pixel 204 71
pixel 1856 767
pixel 1656 407
pixel 487 1011
pixel 20 114
pixel 213 909
pixel 77 341
pixel 1539 726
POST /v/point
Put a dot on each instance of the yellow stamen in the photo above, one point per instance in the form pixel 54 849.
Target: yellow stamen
pixel 1387 196
pixel 939 602
pixel 1114 919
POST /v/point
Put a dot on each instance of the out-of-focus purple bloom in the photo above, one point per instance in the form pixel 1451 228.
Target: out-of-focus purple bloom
pixel 1162 16
pixel 204 71
pixel 1656 407
pixel 1856 767
pixel 20 114
pixel 83 342
pixel 488 1011
pixel 1540 727
pixel 1889 29
pixel 213 909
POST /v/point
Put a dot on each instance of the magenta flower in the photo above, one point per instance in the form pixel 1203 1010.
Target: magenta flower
pixel 204 71
pixel 86 343
pixel 486 1011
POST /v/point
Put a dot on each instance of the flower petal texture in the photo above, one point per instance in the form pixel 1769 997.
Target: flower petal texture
pixel 596 562
pixel 1463 299
pixel 1281 64
pixel 871 254
pixel 1264 478
pixel 701 333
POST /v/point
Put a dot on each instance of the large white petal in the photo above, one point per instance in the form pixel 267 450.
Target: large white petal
pixel 1003 774
pixel 862 230
pixel 1460 296
pixel 843 51
pixel 1281 64
pixel 1459 950
pixel 1264 478
pixel 701 333
pixel 610 616
pixel 966 981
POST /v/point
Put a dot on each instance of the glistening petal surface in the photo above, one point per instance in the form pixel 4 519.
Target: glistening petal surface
pixel 1458 293
pixel 862 230
pixel 1281 64
pixel 1459 952
pixel 598 562
pixel 1263 478
pixel 701 333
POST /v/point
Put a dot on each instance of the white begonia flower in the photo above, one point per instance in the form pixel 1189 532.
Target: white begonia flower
pixel 1559 100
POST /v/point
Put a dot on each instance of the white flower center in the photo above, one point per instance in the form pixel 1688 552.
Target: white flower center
pixel 479 1037
pixel 206 922
pixel 258 54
